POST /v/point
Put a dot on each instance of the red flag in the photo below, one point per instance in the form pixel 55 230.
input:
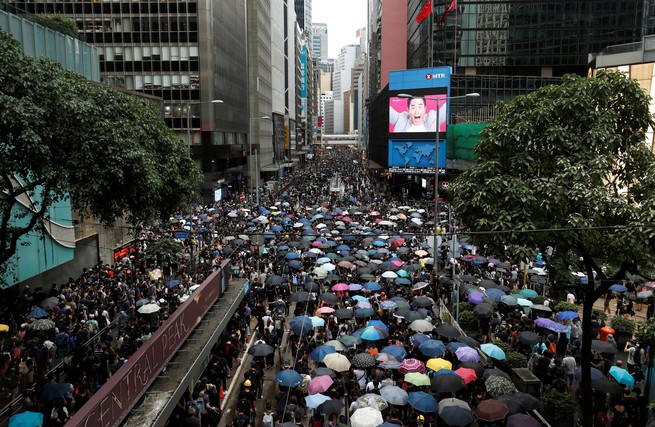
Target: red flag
pixel 452 6
pixel 425 12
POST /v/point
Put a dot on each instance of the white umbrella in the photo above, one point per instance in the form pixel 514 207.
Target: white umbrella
pixel 155 274
pixel 148 309
pixel 337 362
pixel 338 345
pixel 417 221
pixel 298 225
pixel 366 417
pixel 389 275
pixel 328 267
pixel 421 325
pixel 262 219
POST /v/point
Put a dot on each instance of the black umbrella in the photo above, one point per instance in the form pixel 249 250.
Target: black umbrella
pixel 363 360
pixel 528 338
pixel 332 406
pixel 413 315
pixel 495 372
pixel 274 280
pixel 471 342
pixel 333 278
pixel 477 367
pixel 323 371
pixel 343 313
pixel 260 350
pixel 528 401
pixel 301 296
pixel 512 403
pixel 329 298
pixel 423 302
pixel 448 331
pixel 468 278
pixel 483 310
pixel 608 387
pixel 488 284
pixel 446 383
pixel 311 286
pixel 602 346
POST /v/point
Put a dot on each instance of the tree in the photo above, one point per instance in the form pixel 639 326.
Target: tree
pixel 567 166
pixel 62 136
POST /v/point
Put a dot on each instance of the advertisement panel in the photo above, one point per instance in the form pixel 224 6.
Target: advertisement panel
pixel 418 102
pixel 303 80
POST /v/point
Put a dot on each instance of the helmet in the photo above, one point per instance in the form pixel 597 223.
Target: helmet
pixel 247 383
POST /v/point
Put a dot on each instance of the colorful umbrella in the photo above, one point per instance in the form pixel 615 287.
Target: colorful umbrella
pixel 467 354
pixel 319 353
pixel 622 376
pixel 289 378
pixel 397 351
pixel 314 400
pixel 412 365
pixel 417 379
pixel 439 364
pixel 493 351
pixel 422 401
pixel 319 384
pixel 373 333
pixel 467 374
pixel 432 348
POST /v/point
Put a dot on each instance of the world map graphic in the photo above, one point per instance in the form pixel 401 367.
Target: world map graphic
pixel 415 154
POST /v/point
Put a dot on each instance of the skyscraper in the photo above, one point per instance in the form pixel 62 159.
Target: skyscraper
pixel 303 9
pixel 320 41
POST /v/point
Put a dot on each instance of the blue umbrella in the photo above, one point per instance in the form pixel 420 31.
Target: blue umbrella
pixel 373 333
pixel 418 339
pixel 37 313
pixel 396 351
pixel 567 315
pixel 364 312
pixel 529 293
pixel 52 391
pixel 432 348
pixel 295 264
pixel 372 286
pixel 172 283
pixel 289 378
pixel 291 255
pixel 269 235
pixel 314 400
pixel 277 228
pixel 26 419
pixel 388 305
pixel 310 255
pixel 343 248
pixel 378 243
pixel 402 280
pixel 355 287
pixel 495 294
pixel 595 374
pixel 618 288
pixel 622 376
pixel 301 325
pixel 378 323
pixel 422 401
pixel 453 346
pixel 359 298
pixel 319 353
pixel 493 351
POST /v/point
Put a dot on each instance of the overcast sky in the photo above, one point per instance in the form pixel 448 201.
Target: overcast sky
pixel 343 18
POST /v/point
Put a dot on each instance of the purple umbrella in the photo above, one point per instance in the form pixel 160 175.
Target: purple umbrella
pixel 467 354
pixel 476 297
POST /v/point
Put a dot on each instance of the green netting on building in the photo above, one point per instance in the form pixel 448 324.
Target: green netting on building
pixel 461 139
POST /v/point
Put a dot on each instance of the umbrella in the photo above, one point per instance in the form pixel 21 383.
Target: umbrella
pixel 446 383
pixel 528 338
pixel 36 313
pixel 417 378
pixel 467 374
pixel 499 385
pixel 422 401
pixel 364 312
pixel 317 322
pixel 484 310
pixel 528 293
pixel 439 364
pixel 622 376
pixel 448 331
pixel 432 348
pixel 491 410
pixel 323 371
pixel 301 296
pixel 455 412
pixel 617 288
pixel 321 351
pixel 541 307
pixel 567 315
pixel 274 280
pixel 363 360
pixel 493 351
pixel 319 384
pixel 333 406
pixel 645 294
pixel 325 310
pixel 476 297
pixel 366 417
pixel 370 400
pixel 4 328
pixel 301 325
pixel 476 367
pixel 388 305
pixel 607 387
pixel 149 308
pixel 423 302
pixel 42 325
pixel 261 349
pixel 595 374
pixel 467 354
pixel 527 401
pixel 314 400
pixel 524 302
pixel 471 342
pixel 412 365
pixel 329 298
pixel 343 313
pixel 394 395
pixel 397 351
pixel 421 326
pixel 418 339
pixel 373 333
pixel 490 372
pixel 603 347
pixel 510 300
pixel 522 420
pixel 495 294
pixel 52 391
pixel 337 362
pixel 349 340
pixel 172 283
pixel 26 419
pixel 49 302
pixel 289 378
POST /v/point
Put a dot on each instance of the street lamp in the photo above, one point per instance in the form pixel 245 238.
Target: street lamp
pixel 188 115
pixel 436 177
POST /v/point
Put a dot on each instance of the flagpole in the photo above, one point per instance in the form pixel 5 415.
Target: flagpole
pixel 456 34
pixel 430 41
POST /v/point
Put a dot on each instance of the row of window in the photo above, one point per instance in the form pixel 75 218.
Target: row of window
pixel 97 7
pixel 148 66
pixel 105 38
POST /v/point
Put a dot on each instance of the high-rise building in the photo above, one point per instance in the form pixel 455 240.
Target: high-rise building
pixel 387 42
pixel 320 41
pixel 303 9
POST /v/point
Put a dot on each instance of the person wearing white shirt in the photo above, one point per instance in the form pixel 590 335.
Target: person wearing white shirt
pixel 570 298
pixel 569 365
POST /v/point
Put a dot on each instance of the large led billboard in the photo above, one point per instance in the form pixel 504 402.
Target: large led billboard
pixel 418 100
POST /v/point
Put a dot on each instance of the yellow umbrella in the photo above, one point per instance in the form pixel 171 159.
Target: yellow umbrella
pixel 437 364
pixel 417 378
pixel 4 328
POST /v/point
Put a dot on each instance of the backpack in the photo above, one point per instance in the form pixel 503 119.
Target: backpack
pixel 637 356
pixel 22 368
pixel 240 421
pixel 268 419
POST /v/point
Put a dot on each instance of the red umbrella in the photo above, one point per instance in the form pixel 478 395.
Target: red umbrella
pixel 398 242
pixel 467 374
pixel 411 365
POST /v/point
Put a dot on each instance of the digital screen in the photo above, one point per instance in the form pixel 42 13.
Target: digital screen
pixel 418 114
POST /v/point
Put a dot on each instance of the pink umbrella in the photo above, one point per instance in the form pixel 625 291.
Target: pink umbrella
pixel 467 374
pixel 340 287
pixel 397 262
pixel 319 384
pixel 384 357
pixel 467 354
pixel 325 310
pixel 346 219
pixel 316 243
pixel 411 365
pixel 363 304
pixel 397 242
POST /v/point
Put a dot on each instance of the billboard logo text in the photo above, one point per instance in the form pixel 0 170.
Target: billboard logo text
pixel 435 76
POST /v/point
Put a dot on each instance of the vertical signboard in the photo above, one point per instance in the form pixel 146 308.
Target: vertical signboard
pixel 286 134
pixel 418 116
pixel 303 81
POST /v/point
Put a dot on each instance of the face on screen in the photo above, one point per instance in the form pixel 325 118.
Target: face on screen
pixel 416 110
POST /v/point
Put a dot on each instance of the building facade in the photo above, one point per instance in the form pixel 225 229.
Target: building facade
pixel 320 41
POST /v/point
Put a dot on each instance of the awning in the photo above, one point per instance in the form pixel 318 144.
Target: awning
pixel 374 165
pixel 270 168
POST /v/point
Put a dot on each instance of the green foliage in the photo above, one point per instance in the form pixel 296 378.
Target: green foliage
pixel 503 346
pixel 65 137
pixel 623 325
pixel 463 306
pixel 539 299
pixel 58 23
pixel 167 249
pixel 565 306
pixel 600 314
pixel 559 407
pixel 514 359
pixel 645 333
pixel 468 320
